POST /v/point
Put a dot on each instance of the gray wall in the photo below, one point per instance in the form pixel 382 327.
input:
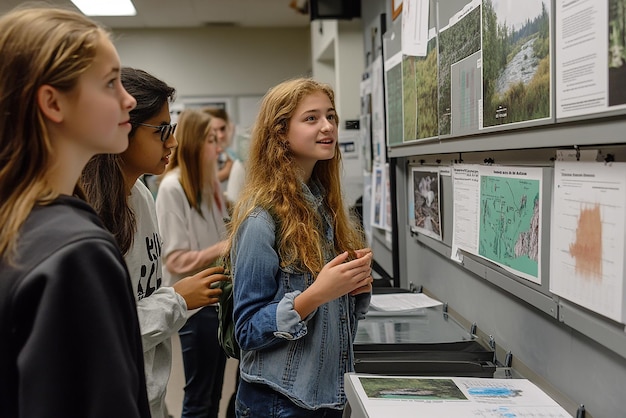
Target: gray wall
pixel 575 356
pixel 218 62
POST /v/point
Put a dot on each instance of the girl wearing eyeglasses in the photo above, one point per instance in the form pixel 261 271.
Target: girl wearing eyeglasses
pixel 70 343
pixel 191 217
pixel 126 206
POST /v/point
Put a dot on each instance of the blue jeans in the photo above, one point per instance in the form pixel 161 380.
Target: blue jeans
pixel 204 363
pixel 255 400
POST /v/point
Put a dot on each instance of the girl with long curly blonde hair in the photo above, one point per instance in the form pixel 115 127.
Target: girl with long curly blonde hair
pixel 301 274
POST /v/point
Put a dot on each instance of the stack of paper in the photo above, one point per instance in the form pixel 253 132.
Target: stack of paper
pixel 401 304
pixel 377 396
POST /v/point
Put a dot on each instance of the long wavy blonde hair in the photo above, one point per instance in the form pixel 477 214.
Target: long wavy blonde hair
pixel 199 180
pixel 274 183
pixel 39 46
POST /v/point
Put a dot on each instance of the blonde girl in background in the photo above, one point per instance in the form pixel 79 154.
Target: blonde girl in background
pixel 301 274
pixel 191 212
pixel 224 129
pixel 71 345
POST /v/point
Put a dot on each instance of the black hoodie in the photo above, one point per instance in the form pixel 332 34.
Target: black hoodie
pixel 70 344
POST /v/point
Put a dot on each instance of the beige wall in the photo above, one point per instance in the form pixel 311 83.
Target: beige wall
pixel 218 61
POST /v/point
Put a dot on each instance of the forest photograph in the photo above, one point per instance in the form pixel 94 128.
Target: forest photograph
pixel 617 52
pixel 411 388
pixel 515 61
pixel 456 42
pixel 409 97
pixel 394 104
pixel 419 80
pixel 426 75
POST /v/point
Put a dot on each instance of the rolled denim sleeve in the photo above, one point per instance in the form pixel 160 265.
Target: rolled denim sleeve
pixel 263 315
pixel 288 322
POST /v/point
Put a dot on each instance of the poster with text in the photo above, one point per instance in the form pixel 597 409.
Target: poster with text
pixel 591 59
pixel 466 207
pixel 587 236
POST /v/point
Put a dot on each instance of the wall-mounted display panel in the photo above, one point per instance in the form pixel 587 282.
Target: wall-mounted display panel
pixel 488 64
pixel 547 331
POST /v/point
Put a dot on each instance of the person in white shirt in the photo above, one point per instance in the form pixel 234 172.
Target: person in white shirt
pixel 114 188
pixel 191 212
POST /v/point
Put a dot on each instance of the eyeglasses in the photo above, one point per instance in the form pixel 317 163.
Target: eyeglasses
pixel 165 130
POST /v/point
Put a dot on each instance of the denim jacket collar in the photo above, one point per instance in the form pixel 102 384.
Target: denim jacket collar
pixel 314 194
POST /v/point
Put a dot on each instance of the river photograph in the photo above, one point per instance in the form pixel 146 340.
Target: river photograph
pixel 515 61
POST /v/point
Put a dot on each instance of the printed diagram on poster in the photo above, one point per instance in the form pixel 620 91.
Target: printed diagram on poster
pixel 510 219
pixel 497 216
pixel 516 74
pixel 424 201
pixel 587 236
pixel 591 59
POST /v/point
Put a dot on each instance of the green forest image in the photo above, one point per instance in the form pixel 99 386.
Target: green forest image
pixel 516 68
pixel 617 52
pixel 404 388
pixel 419 79
pixel 455 44
pixel 426 69
pixel 409 96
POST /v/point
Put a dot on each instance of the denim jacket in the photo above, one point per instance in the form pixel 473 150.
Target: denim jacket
pixel 302 358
